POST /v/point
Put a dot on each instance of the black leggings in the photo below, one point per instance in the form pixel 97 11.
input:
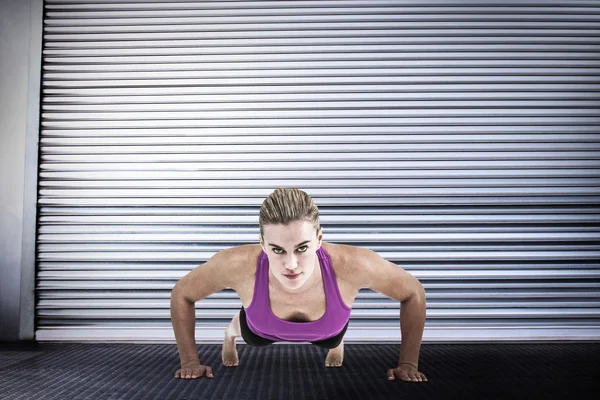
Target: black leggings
pixel 253 339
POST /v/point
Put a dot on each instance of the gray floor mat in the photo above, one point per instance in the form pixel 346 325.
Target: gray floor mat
pixel 297 371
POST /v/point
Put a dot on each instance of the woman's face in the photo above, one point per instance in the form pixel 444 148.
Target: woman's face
pixel 292 251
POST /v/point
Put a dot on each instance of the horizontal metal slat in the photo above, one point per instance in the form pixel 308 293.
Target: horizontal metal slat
pixel 458 149
pixel 60 66
pixel 374 314
pixel 138 286
pixel 345 201
pixel 577 250
pixel 326 165
pixel 447 183
pixel 425 254
pixel 417 32
pixel 348 191
pixel 315 9
pixel 327 212
pixel 114 239
pixel 150 42
pixel 327 155
pixel 204 305
pixel 168 108
pixel 480 89
pixel 353 43
pixel 218 5
pixel 414 266
pixel 148 222
pixel 320 27
pixel 160 275
pixel 66 102
pixel 52 299
pixel 419 133
pixel 374 17
pixel 323 79
pixel 324 121
pixel 515 54
pixel 175 177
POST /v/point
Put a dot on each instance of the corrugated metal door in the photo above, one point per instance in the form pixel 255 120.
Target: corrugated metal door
pixel 459 140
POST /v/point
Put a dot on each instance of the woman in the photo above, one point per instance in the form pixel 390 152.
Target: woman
pixel 295 287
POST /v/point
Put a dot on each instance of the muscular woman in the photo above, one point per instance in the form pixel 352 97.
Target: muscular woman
pixel 294 287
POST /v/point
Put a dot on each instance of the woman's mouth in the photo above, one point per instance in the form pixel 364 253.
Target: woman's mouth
pixel 293 276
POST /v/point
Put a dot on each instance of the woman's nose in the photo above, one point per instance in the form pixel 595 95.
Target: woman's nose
pixel 291 263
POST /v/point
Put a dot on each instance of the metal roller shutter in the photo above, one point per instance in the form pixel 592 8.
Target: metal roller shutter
pixel 459 140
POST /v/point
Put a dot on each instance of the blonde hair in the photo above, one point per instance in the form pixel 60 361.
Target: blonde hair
pixel 288 205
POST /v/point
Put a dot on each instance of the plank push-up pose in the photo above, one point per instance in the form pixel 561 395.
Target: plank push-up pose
pixel 295 288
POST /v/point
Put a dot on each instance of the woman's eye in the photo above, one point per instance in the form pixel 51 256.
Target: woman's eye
pixel 277 251
pixel 302 249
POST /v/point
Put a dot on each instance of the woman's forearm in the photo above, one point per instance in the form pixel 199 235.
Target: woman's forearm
pixel 412 324
pixel 183 319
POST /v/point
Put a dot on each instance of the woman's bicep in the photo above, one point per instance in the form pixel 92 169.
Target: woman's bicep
pixel 208 278
pixel 387 278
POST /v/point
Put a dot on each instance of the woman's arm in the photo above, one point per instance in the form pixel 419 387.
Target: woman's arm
pixel 218 273
pixel 183 319
pixel 393 281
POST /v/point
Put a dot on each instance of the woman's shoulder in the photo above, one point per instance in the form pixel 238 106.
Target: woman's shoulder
pixel 347 262
pixel 239 261
pixel 343 253
pixel 240 256
pixel 243 252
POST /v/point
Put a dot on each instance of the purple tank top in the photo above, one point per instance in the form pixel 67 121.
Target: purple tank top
pixel 263 322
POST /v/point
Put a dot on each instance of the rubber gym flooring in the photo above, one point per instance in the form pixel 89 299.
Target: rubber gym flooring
pixel 296 371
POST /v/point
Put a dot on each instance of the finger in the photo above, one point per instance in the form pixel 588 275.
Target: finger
pixel 196 373
pixel 177 374
pixel 390 374
pixel 209 372
pixel 424 377
pixel 401 374
pixel 404 375
pixel 414 376
pixel 411 376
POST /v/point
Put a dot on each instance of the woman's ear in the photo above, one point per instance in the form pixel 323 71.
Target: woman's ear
pixel 319 237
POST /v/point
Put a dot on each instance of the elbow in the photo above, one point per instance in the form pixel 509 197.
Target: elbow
pixel 417 295
pixel 421 290
pixel 178 295
pixel 176 290
pixel 175 296
pixel 420 293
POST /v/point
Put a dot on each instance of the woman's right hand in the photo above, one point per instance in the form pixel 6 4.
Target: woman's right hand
pixel 193 370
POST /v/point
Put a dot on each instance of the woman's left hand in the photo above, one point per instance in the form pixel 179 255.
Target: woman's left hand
pixel 406 372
